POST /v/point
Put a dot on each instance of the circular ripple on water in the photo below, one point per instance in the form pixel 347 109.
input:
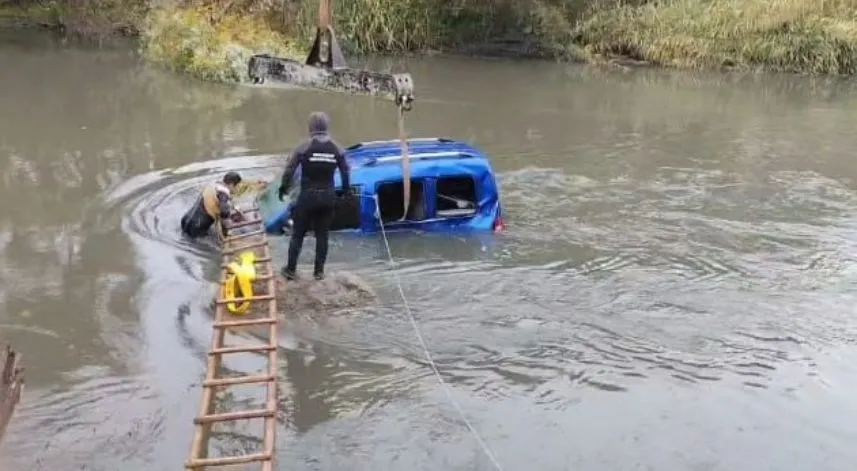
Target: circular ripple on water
pixel 151 205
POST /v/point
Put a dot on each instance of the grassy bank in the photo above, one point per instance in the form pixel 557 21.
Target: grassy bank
pixel 813 36
pixel 214 42
pixel 212 39
pixel 199 42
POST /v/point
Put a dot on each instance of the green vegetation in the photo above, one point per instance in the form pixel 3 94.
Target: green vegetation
pixel 215 43
pixel 212 39
pixel 194 41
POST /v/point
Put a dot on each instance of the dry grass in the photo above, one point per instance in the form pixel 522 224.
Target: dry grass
pixel 813 36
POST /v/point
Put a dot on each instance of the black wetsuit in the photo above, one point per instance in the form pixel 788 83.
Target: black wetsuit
pixel 319 157
pixel 197 221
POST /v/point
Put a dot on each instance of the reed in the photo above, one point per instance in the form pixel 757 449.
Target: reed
pixel 808 36
pixel 417 25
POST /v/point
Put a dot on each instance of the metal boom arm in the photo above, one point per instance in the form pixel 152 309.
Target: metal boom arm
pixel 325 68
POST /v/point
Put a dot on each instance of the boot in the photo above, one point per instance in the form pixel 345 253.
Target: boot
pixel 290 275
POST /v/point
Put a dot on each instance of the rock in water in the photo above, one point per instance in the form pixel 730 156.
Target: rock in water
pixel 341 290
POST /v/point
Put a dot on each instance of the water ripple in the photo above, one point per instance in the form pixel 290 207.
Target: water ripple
pixel 78 414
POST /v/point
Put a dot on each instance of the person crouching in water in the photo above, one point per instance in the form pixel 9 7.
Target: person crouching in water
pixel 318 156
pixel 213 205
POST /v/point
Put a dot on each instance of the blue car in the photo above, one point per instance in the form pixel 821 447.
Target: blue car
pixel 452 188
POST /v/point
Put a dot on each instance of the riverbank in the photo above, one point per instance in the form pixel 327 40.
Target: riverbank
pixel 803 36
pixel 213 41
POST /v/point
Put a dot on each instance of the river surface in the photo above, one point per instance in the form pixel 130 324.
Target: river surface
pixel 675 289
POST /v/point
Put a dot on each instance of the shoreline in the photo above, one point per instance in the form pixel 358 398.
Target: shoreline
pixel 213 43
pixel 519 49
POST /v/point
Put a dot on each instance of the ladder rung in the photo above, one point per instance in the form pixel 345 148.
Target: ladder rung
pixel 244 236
pixel 258 260
pixel 262 297
pixel 244 223
pixel 262 278
pixel 227 460
pixel 229 416
pixel 245 349
pixel 242 248
pixel 249 379
pixel 246 322
pixel 265 277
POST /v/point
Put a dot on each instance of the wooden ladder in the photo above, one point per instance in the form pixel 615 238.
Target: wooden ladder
pixel 233 245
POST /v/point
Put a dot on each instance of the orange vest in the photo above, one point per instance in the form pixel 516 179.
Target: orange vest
pixel 210 201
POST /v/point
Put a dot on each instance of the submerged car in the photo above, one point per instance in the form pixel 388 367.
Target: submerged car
pixel 452 188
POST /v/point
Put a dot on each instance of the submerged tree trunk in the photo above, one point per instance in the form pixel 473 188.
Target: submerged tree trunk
pixel 11 385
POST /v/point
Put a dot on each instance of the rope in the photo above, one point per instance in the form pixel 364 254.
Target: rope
pixel 426 351
pixel 406 162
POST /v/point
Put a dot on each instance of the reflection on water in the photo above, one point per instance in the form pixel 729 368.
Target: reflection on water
pixel 674 289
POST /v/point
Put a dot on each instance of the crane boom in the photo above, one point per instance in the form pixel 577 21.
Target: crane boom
pixel 325 68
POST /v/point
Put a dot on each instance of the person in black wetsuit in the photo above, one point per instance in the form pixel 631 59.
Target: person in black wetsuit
pixel 318 156
pixel 213 205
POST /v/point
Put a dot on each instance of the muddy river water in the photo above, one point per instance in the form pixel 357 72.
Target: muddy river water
pixel 675 289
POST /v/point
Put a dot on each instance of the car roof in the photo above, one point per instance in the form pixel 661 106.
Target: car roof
pixel 433 148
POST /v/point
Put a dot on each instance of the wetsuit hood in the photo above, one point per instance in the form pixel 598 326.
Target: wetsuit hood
pixel 319 123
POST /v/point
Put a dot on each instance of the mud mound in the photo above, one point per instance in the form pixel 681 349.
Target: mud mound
pixel 305 297
pixel 341 290
pixel 308 297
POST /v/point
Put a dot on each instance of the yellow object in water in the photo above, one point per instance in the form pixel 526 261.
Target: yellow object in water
pixel 241 279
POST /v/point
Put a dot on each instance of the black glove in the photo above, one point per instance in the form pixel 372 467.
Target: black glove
pixel 281 193
pixel 236 217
